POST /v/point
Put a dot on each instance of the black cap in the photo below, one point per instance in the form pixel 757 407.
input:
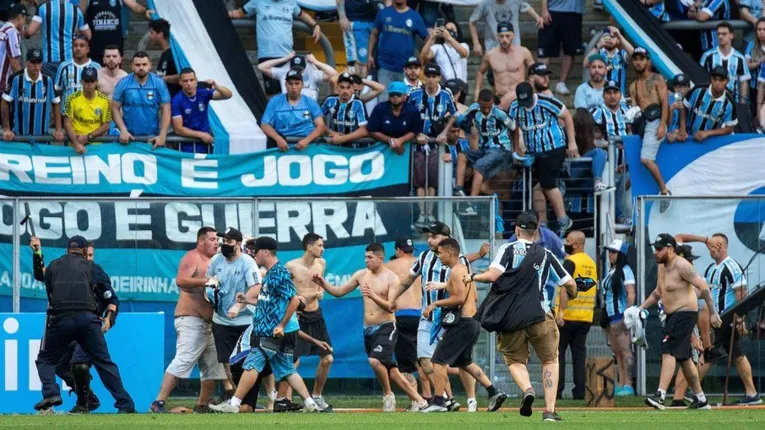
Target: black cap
pixel 345 77
pixel 89 74
pixel 437 227
pixel 297 62
pixel 539 69
pixel 263 242
pixel 505 27
pixel 294 74
pixel 455 85
pixel 680 79
pixel 405 244
pixel 34 55
pixel 525 94
pixel 664 240
pixel 77 242
pixel 412 61
pixel 527 220
pixel 612 85
pixel 720 72
pixel 432 69
pixel 16 10
pixel 232 233
pixel 640 51
pixel 685 251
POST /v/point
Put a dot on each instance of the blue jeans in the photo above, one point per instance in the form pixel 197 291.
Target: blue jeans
pixel 385 77
pixel 85 329
pixel 599 157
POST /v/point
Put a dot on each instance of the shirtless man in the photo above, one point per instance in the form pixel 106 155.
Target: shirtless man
pixel 193 324
pixel 508 64
pixel 675 290
pixel 112 72
pixel 649 92
pixel 456 347
pixel 379 323
pixel 311 319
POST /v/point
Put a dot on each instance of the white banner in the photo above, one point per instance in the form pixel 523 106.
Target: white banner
pixel 328 5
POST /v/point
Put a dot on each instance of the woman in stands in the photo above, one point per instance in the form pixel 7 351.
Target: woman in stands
pixel 755 55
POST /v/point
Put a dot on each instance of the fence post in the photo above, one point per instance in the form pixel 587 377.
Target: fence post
pixel 492 338
pixel 640 236
pixel 16 258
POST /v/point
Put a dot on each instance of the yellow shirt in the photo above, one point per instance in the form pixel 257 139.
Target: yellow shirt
pixel 88 115
pixel 581 309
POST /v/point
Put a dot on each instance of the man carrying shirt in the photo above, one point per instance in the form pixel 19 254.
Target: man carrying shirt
pixel 395 122
pixel 137 102
pixel 292 115
pixel 88 113
pixel 711 111
pixel 346 117
pixel 190 113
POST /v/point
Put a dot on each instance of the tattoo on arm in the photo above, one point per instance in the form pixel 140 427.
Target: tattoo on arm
pixel 407 282
pixel 707 296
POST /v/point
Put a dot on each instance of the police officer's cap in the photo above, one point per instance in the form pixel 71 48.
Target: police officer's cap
pixel 527 220
pixel 77 242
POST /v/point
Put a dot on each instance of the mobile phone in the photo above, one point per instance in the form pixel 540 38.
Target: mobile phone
pixel 440 22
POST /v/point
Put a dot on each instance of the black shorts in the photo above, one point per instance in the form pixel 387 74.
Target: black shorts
pixel 423 170
pixel 678 329
pixel 456 346
pixel 226 338
pixel 547 166
pixel 565 29
pixel 271 86
pixel 406 344
pixel 380 341
pixel 723 339
pixel 312 324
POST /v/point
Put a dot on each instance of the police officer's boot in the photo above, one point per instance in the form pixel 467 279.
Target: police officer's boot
pixel 81 374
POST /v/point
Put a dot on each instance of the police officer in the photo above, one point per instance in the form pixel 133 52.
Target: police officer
pixel 72 284
pixel 74 366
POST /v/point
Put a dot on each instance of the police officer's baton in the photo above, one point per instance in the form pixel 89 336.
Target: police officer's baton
pixel 28 218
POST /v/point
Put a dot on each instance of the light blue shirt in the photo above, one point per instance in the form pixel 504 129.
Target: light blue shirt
pixel 755 8
pixel 233 278
pixel 576 6
pixel 289 120
pixel 274 24
pixel 141 104
pixel 587 97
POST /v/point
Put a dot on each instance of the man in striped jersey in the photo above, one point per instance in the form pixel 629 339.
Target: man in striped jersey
pixel 616 50
pixel 728 283
pixel 711 110
pixel 537 117
pixel 60 21
pixel 730 59
pixel 345 115
pixel 29 95
pixel 711 10
pixel 10 43
pixel 68 77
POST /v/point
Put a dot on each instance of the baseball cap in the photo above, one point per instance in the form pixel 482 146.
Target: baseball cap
pixel 232 233
pixel 640 51
pixel 539 69
pixel 432 69
pixel 77 242
pixel 505 27
pixel 720 72
pixel 16 10
pixel 525 94
pixel 412 61
pixel 405 244
pixel 397 87
pixel 263 242
pixel 664 240
pixel 612 85
pixel 686 251
pixel 89 74
pixel 297 62
pixel 34 55
pixel 680 79
pixel 617 245
pixel 527 220
pixel 455 85
pixel 437 227
pixel 598 57
pixel 294 74
pixel 345 77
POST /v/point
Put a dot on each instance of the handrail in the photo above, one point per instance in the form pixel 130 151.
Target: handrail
pixel 326 46
pixel 103 139
pixel 738 24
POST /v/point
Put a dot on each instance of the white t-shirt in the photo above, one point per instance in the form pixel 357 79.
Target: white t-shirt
pixel 449 60
pixel 312 79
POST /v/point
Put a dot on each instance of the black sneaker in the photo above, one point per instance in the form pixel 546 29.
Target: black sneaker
pixel 127 411
pixel 495 401
pixel 551 416
pixel 157 407
pixel 203 409
pixel 452 405
pixel 655 401
pixel 286 405
pixel 699 405
pixel 678 404
pixel 79 409
pixel 749 400
pixel 49 402
pixel 93 402
pixel 715 354
pixel 528 400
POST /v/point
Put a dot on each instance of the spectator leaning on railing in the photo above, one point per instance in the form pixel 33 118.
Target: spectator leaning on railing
pixel 711 110
pixel 111 72
pixel 10 49
pixel 395 122
pixel 159 34
pixel 345 115
pixel 491 13
pixel 314 72
pixel 31 114
pixel 104 17
pixel 138 102
pixel 443 47
pixel 710 10
pixel 88 113
pixel 67 78
pixel 190 111
pixel 273 22
pixel 293 115
pixel 60 21
pixel 357 18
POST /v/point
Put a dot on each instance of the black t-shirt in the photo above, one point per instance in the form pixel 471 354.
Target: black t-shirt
pixel 166 67
pixel 104 17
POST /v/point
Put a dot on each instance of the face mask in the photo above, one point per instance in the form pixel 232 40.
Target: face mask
pixel 227 250
pixel 568 248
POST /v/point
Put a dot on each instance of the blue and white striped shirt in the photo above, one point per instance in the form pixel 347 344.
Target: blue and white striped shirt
pixel 67 78
pixel 755 73
pixel 432 108
pixel 735 63
pixel 708 113
pixel 60 21
pixel 493 129
pixel 717 10
pixel 429 266
pixel 30 103
pixel 540 127
pixel 615 303
pixel 724 279
pixel 613 122
pixel 344 118
pixel 616 66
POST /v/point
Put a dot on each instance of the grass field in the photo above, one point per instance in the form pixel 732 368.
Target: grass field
pixel 629 415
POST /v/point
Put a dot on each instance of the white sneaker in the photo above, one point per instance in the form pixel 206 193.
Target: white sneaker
pixel 472 405
pixel 389 403
pixel 309 405
pixel 320 402
pixel 225 408
pixel 562 89
pixel 600 186
pixel 417 407
pixel 434 408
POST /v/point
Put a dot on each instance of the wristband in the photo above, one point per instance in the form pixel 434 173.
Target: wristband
pixel 472 276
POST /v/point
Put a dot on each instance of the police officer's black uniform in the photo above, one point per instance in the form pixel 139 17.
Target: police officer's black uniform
pixel 72 317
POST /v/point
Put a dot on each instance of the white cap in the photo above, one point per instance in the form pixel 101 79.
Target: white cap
pixel 616 246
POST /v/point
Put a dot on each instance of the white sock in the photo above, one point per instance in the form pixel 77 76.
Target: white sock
pixel 701 397
pixel 272 395
pixel 235 401
pixel 662 393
